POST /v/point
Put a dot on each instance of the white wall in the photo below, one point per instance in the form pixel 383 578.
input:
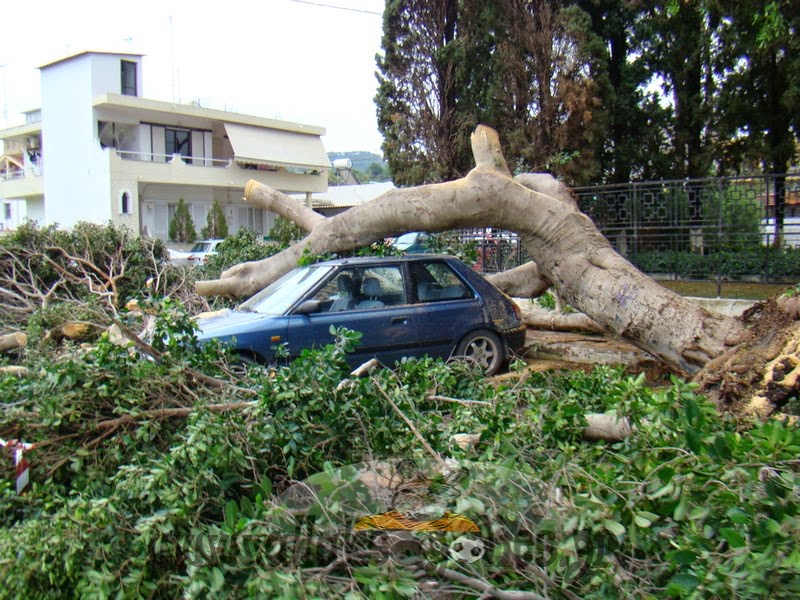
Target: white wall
pixel 67 131
pixel 155 201
pixel 18 214
pixel 77 185
pixel 791 231
pixel 35 210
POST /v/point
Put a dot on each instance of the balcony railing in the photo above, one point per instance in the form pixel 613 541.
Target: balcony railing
pixel 17 174
pixel 195 161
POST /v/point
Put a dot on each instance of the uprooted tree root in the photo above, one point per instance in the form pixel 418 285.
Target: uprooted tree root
pixel 759 376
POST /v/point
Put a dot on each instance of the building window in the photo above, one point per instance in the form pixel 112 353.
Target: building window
pixel 128 78
pixel 255 220
pixel 125 203
pixel 7 210
pixel 178 141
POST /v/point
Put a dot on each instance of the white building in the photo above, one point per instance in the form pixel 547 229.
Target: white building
pixel 97 151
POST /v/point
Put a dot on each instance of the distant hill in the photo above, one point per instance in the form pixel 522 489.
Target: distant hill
pixel 361 159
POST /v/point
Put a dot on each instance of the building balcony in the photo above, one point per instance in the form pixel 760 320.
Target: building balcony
pixel 22 183
pixel 176 169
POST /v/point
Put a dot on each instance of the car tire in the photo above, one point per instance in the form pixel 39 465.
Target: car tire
pixel 484 348
pixel 240 363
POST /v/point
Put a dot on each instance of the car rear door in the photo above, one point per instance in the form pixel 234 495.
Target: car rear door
pixel 446 308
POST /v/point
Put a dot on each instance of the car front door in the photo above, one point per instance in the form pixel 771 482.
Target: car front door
pixel 369 299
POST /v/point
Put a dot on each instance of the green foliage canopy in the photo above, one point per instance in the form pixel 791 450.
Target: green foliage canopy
pixel 448 66
pixel 691 505
pixel 594 91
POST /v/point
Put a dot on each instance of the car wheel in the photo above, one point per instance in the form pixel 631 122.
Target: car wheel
pixel 240 363
pixel 483 348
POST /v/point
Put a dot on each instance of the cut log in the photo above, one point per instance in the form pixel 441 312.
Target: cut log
pixel 12 341
pixel 607 428
pixel 15 371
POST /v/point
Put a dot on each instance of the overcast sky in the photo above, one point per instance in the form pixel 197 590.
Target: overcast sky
pixel 286 59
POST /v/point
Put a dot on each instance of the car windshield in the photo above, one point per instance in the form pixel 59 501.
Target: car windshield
pixel 201 247
pixel 279 296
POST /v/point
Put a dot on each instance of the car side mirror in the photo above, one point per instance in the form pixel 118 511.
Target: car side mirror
pixel 308 307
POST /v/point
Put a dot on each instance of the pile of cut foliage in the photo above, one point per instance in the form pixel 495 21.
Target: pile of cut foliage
pixel 157 472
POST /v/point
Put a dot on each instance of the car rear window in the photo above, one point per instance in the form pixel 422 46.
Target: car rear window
pixel 436 282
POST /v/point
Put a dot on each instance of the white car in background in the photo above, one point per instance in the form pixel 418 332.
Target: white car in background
pixel 197 255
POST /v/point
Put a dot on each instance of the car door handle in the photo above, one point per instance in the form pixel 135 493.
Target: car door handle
pixel 399 320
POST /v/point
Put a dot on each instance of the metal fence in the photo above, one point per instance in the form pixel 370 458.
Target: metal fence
pixel 719 229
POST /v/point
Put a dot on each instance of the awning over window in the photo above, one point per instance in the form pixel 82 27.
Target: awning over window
pixel 255 145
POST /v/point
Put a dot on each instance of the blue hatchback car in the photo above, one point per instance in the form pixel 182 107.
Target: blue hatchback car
pixel 414 305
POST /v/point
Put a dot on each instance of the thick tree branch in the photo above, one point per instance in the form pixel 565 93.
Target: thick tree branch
pixel 281 204
pixel 165 413
pixel 525 281
pixel 540 318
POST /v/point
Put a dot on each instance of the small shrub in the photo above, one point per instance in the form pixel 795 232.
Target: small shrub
pixel 285 232
pixel 245 246
pixel 181 227
pixel 216 224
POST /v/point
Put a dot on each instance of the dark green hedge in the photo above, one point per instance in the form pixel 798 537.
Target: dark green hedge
pixel 765 263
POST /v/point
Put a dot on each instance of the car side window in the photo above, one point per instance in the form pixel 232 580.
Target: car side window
pixel 436 282
pixel 380 286
pixel 361 289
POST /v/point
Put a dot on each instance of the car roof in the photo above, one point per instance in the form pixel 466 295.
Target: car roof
pixel 370 260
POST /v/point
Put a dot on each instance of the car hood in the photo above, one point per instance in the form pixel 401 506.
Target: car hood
pixel 222 322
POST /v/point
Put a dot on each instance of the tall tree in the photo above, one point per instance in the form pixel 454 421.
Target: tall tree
pixel 634 122
pixel 519 65
pixel 559 117
pixel 417 90
pixel 676 40
pixel 759 106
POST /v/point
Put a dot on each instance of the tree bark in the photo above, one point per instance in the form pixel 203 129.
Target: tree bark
pixel 524 281
pixel 567 248
pixel 540 318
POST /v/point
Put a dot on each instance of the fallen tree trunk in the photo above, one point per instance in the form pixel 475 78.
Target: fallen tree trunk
pixel 524 281
pixel 567 248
